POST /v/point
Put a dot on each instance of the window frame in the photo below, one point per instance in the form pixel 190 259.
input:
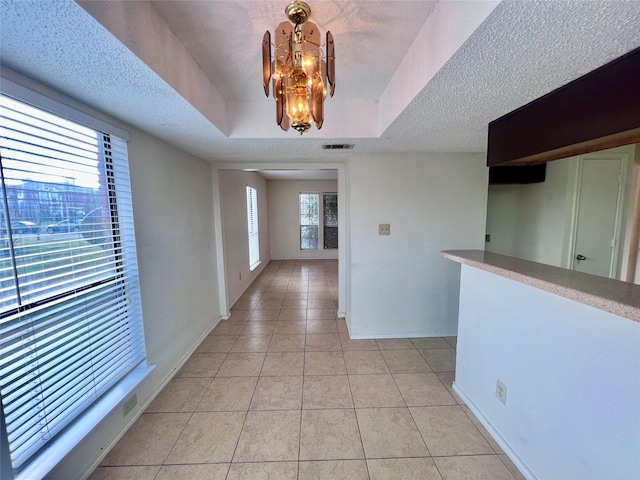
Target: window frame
pixel 301 225
pixel 324 224
pixel 47 457
pixel 253 227
pixel 320 225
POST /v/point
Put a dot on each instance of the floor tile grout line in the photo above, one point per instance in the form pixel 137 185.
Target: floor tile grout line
pixel 445 386
pixel 399 390
pixel 202 397
pixel 507 466
pixel 313 408
pixel 420 432
pixel 194 411
pixel 350 459
pixel 246 415
pixel 304 356
pixel 177 438
pixel 478 429
pixel 355 414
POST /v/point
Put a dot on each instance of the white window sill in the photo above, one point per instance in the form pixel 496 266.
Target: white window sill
pixel 254 266
pixel 72 436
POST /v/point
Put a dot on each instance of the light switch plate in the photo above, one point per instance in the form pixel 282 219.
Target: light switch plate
pixel 501 392
pixel 384 229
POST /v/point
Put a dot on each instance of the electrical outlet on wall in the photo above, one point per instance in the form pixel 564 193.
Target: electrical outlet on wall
pixel 384 229
pixel 501 392
pixel 129 405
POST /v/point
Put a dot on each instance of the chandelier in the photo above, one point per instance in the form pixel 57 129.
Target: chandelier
pixel 298 69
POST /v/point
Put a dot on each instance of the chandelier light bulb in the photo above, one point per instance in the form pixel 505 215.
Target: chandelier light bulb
pixel 297 100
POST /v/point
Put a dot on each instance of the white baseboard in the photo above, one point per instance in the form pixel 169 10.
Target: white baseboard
pixel 528 474
pixel 311 255
pixel 147 401
pixel 397 335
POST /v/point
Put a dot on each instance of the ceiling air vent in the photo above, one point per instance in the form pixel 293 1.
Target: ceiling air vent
pixel 337 146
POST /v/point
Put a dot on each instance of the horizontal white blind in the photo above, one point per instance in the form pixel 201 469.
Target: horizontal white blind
pixel 70 313
pixel 252 220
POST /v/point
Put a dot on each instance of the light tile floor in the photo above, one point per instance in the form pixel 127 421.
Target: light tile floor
pixel 280 391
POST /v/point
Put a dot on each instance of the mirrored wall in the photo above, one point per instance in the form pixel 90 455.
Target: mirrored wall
pixel 579 217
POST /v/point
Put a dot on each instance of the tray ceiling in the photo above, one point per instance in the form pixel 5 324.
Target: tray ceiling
pixel 412 76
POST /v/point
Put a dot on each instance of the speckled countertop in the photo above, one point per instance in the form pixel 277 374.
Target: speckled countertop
pixel 619 298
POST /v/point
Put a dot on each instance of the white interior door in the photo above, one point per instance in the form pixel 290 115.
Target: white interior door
pixel 599 205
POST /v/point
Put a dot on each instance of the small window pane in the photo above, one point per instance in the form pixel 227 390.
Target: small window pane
pixel 330 220
pixel 309 237
pixel 309 220
pixel 330 203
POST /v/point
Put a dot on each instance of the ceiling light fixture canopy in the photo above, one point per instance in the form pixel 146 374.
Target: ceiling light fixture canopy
pixel 299 70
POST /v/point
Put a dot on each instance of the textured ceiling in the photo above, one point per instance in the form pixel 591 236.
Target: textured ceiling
pixel 301 174
pixel 224 39
pixel 151 65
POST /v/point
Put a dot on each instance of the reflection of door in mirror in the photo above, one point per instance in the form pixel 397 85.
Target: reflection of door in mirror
pixel 579 209
pixel 598 203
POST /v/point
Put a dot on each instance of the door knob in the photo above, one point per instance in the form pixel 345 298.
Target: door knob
pixel 581 257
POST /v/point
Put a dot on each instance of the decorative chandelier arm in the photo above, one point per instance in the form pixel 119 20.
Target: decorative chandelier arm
pixel 331 63
pixel 266 62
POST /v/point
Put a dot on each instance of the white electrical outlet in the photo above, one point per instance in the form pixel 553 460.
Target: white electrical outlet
pixel 384 229
pixel 501 392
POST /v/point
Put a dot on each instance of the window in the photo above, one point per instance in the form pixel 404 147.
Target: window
pixel 309 220
pixel 70 313
pixel 330 220
pixel 311 237
pixel 252 221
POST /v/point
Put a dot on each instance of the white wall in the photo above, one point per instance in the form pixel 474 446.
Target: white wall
pixel 284 217
pixel 172 200
pixel 233 202
pixel 572 377
pixel 399 284
pixel 173 210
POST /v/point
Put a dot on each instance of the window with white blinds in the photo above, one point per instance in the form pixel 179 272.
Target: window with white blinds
pixel 70 313
pixel 252 222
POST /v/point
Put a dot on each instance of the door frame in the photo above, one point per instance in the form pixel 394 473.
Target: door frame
pixel 620 204
pixel 344 255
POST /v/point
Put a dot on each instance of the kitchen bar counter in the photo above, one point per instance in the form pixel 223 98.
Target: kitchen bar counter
pixel 613 296
pixel 562 348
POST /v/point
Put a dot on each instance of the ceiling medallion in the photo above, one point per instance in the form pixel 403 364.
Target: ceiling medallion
pixel 299 70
